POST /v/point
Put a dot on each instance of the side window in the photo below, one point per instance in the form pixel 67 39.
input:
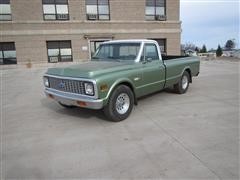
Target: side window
pixel 155 10
pixel 59 51
pixel 5 10
pixel 150 52
pixel 55 10
pixel 97 10
pixel 7 53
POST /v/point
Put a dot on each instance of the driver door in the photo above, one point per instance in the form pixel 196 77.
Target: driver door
pixel 153 70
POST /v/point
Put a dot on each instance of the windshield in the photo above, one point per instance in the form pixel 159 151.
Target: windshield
pixel 117 51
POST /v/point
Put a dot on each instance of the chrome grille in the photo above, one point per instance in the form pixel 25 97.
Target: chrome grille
pixel 67 85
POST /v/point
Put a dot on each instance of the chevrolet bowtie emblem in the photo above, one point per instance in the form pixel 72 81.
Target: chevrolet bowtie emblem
pixel 61 85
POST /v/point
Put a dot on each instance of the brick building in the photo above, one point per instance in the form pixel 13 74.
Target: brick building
pixel 44 31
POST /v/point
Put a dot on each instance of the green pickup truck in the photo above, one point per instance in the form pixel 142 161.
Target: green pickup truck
pixel 117 75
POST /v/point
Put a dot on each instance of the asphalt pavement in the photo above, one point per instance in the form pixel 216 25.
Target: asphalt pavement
pixel 190 136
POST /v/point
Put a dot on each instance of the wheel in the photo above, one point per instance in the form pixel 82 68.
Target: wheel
pixel 182 86
pixel 66 106
pixel 120 104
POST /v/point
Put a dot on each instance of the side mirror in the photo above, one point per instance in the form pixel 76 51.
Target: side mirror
pixel 149 59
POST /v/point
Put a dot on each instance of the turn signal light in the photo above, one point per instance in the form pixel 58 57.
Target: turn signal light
pixel 81 103
pixel 50 96
pixel 104 87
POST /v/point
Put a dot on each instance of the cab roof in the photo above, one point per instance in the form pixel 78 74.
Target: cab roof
pixel 130 40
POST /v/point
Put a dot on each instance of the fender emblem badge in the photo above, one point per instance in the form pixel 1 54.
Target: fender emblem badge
pixel 136 79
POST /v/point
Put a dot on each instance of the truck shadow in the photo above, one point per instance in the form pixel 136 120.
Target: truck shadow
pixel 167 90
pixel 89 113
pixel 75 111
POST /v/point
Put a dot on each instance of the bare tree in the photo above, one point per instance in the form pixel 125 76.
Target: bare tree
pixel 230 44
pixel 188 46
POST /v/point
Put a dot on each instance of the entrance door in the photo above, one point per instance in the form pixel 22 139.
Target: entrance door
pixel 94 44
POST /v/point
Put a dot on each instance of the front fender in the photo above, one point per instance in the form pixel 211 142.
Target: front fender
pixel 116 83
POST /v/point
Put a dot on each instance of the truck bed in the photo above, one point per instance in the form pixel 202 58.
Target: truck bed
pixel 165 58
pixel 175 65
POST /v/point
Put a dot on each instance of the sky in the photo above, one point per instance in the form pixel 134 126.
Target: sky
pixel 210 22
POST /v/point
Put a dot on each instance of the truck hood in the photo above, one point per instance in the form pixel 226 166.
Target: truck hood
pixel 90 69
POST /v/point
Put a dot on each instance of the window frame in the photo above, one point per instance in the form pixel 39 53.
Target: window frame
pixel 98 14
pixel 9 3
pixel 56 14
pixel 2 52
pixel 59 50
pixel 155 11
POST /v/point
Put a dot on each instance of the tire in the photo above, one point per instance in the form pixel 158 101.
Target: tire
pixel 120 104
pixel 66 106
pixel 182 86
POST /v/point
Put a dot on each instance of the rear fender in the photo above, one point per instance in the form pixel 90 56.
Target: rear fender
pixel 187 68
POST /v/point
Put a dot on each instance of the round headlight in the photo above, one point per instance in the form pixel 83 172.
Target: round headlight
pixel 89 90
pixel 45 82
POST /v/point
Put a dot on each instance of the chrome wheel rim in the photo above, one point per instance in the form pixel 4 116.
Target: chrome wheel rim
pixel 184 82
pixel 122 103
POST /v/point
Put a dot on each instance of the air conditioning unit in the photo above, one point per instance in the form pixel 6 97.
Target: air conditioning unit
pixel 62 16
pixel 92 16
pixel 53 59
pixel 161 17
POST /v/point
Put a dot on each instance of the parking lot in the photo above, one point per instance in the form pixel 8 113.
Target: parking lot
pixel 194 136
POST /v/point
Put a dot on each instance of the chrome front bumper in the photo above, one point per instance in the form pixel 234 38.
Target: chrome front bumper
pixel 74 99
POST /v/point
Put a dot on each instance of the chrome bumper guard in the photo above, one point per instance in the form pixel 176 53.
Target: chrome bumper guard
pixel 74 99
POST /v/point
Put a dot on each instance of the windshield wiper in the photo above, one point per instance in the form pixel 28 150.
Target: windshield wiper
pixel 95 57
pixel 113 58
pixel 109 58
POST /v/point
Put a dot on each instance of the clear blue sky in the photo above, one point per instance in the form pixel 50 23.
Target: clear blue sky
pixel 210 22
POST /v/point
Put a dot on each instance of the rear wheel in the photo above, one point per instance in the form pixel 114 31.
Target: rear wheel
pixel 120 104
pixel 182 86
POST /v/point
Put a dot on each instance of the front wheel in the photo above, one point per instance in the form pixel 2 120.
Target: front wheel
pixel 120 104
pixel 182 86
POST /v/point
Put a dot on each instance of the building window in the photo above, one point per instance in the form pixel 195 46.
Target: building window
pixel 5 10
pixel 97 9
pixel 155 10
pixel 162 44
pixel 7 53
pixel 55 10
pixel 59 51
